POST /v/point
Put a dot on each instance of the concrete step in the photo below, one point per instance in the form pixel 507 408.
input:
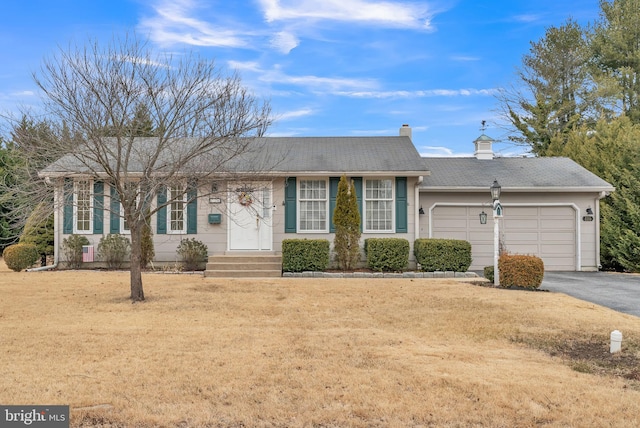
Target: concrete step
pixel 242 274
pixel 244 265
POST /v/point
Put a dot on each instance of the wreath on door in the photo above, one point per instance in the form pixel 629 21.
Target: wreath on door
pixel 245 199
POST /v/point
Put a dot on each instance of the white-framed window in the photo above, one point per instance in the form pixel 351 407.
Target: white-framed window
pixel 313 214
pixel 83 206
pixel 131 188
pixel 176 210
pixel 378 205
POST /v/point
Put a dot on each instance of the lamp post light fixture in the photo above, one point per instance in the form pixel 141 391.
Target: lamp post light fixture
pixel 497 213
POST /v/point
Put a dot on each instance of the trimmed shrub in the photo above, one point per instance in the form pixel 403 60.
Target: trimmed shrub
pixel 387 254
pixel 20 256
pixel 517 270
pixel 443 254
pixel 346 219
pixel 300 255
pixel 113 249
pixel 72 249
pixel 488 273
pixel 193 253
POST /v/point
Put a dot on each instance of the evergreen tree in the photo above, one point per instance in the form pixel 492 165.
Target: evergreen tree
pixel 616 53
pixel 346 219
pixel 612 151
pixel 551 95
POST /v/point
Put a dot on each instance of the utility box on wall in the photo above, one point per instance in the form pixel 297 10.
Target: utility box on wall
pixel 215 218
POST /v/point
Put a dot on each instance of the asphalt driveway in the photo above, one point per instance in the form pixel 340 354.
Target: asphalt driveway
pixel 618 291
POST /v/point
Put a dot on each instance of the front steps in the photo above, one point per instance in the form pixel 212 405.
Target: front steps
pixel 244 265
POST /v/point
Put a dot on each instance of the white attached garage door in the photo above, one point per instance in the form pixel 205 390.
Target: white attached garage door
pixel 548 232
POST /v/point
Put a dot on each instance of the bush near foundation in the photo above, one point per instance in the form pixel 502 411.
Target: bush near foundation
pixel 442 254
pixel 488 273
pixel 299 255
pixel 193 253
pixel 20 256
pixel 72 249
pixel 114 249
pixel 517 270
pixel 387 254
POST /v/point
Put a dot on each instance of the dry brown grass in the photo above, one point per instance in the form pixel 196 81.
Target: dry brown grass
pixel 308 352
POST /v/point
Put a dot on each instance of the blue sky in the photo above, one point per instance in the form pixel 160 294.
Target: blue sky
pixel 329 68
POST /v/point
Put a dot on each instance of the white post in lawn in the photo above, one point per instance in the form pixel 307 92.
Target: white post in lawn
pixel 497 213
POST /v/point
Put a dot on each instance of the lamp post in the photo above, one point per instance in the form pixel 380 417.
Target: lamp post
pixel 497 213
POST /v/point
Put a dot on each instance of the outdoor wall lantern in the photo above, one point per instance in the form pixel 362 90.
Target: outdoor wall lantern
pixel 495 190
pixel 589 211
pixel 483 217
pixel 421 211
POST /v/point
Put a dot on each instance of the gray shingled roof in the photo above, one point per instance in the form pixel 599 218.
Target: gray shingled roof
pixel 295 155
pixel 546 173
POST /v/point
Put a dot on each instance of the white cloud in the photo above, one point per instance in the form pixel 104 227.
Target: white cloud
pixel 174 24
pixel 440 152
pixel 380 13
pixel 464 58
pixel 295 114
pixel 418 94
pixel 284 41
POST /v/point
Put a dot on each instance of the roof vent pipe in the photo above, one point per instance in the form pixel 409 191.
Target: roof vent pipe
pixel 405 131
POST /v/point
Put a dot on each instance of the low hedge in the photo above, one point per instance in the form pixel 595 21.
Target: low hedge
pixel 299 255
pixel 517 270
pixel 20 256
pixel 442 254
pixel 387 254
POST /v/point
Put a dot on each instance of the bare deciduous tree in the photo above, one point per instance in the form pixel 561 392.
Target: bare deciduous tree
pixel 202 121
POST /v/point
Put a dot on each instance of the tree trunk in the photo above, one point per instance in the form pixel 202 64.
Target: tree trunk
pixel 137 293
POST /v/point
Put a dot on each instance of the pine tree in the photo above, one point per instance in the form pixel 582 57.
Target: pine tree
pixel 346 219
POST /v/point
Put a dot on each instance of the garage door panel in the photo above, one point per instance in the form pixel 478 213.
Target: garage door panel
pixel 451 223
pixel 521 211
pixel 557 223
pixel 522 236
pixel 556 249
pixel 477 236
pixel 521 223
pixel 523 249
pixel 557 236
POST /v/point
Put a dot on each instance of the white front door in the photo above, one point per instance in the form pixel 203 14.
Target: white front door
pixel 250 223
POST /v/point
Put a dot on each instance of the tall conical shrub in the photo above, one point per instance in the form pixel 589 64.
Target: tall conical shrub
pixel 346 219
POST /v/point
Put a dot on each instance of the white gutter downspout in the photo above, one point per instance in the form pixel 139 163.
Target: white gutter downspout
pixel 416 223
pixel 597 218
pixel 56 239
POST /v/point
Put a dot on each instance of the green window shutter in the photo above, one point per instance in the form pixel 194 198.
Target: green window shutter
pixel 114 208
pixel 333 194
pixel 98 207
pixel 357 182
pixel 401 205
pixel 161 215
pixel 67 210
pixel 192 208
pixel 290 210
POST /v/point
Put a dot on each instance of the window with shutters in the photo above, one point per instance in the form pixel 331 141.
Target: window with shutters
pixel 313 206
pixel 83 207
pixel 176 210
pixel 379 203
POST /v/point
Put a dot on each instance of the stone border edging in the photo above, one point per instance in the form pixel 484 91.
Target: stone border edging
pixel 447 274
